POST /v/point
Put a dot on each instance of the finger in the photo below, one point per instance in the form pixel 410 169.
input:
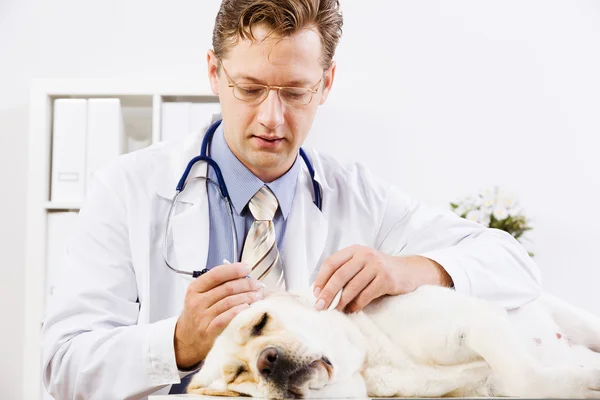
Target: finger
pixel 219 323
pixel 339 280
pixel 230 288
pixel 229 302
pixel 330 265
pixel 373 291
pixel 356 285
pixel 219 275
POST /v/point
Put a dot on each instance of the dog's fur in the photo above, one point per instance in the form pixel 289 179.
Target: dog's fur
pixel 429 343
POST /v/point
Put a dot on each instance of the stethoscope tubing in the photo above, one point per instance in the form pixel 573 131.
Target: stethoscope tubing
pixel 224 194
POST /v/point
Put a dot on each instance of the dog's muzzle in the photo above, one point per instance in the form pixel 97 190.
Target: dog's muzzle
pixel 289 377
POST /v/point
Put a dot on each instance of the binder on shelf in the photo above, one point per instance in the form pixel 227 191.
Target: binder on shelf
pixel 105 134
pixel 137 122
pixel 178 119
pixel 202 114
pixel 175 120
pixel 69 150
pixel 60 227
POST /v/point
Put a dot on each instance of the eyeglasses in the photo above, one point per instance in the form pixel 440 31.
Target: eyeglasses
pixel 255 93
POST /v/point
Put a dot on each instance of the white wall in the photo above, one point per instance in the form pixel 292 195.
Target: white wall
pixel 452 96
pixel 439 97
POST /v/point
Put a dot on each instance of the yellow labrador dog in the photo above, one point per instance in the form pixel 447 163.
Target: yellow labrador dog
pixel 429 343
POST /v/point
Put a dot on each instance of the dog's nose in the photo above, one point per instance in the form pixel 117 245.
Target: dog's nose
pixel 267 361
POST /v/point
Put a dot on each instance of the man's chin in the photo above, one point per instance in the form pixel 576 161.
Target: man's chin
pixel 268 164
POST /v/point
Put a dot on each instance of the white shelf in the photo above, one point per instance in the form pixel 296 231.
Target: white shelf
pixel 115 87
pixel 60 206
pixel 142 104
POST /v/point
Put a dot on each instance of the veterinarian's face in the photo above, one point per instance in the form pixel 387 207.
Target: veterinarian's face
pixel 266 135
pixel 275 349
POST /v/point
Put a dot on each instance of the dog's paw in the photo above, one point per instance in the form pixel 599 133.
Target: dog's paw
pixel 568 382
pixel 589 386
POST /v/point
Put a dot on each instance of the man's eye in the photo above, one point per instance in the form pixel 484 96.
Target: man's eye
pixel 250 90
pixel 294 94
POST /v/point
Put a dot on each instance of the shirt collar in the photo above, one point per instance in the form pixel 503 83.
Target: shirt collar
pixel 242 184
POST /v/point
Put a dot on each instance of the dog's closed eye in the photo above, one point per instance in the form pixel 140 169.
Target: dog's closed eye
pixel 241 369
pixel 233 371
pixel 260 325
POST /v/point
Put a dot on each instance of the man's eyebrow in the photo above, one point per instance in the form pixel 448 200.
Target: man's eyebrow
pixel 295 82
pixel 247 78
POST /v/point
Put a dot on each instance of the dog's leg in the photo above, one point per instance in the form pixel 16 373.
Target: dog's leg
pixel 428 380
pixel 490 334
pixel 579 326
pixel 441 327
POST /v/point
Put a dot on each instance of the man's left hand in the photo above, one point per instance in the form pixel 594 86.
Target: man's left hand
pixel 366 274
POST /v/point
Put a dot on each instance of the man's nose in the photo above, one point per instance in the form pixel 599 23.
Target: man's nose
pixel 270 113
pixel 267 362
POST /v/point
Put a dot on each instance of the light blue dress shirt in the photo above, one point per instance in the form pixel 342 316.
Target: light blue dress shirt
pixel 242 186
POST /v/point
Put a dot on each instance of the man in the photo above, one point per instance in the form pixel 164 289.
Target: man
pixel 124 325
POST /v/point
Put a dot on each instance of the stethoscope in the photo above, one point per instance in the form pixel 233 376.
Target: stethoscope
pixel 317 198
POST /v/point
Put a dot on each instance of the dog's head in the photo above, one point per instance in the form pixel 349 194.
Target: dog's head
pixel 281 347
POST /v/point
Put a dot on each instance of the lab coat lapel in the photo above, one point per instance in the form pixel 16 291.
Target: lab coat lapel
pixel 190 229
pixel 305 237
pixel 190 222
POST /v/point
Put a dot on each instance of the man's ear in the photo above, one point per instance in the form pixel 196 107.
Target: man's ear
pixel 328 82
pixel 213 71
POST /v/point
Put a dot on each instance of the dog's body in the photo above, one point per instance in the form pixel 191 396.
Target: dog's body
pixel 429 343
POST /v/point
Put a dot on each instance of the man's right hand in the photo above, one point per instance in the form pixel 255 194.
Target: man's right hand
pixel 211 302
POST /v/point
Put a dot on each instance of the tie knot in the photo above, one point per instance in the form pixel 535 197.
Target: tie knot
pixel 263 205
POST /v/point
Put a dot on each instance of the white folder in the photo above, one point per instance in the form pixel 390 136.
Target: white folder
pixel 202 114
pixel 175 120
pixel 105 134
pixel 60 228
pixel 68 150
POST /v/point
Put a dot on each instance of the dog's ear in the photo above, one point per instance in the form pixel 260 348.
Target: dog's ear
pixel 209 379
pixel 217 387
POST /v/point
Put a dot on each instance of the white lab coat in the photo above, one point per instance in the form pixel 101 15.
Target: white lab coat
pixel 109 329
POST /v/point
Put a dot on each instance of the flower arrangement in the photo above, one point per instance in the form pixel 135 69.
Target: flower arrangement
pixel 494 209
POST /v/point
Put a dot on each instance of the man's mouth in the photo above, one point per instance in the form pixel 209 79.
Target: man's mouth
pixel 267 142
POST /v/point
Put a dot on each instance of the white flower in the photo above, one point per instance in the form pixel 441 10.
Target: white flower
pixel 506 202
pixel 500 213
pixel 486 219
pixel 475 216
pixel 488 198
pixel 488 193
pixel 474 201
pixel 469 202
pixel 460 210
pixel 488 203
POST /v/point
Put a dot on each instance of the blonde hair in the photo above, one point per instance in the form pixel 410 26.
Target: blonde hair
pixel 236 18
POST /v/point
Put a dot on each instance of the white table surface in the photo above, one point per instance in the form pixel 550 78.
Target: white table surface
pixel 197 396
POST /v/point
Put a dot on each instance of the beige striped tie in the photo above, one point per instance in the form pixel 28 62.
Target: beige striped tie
pixel 260 249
